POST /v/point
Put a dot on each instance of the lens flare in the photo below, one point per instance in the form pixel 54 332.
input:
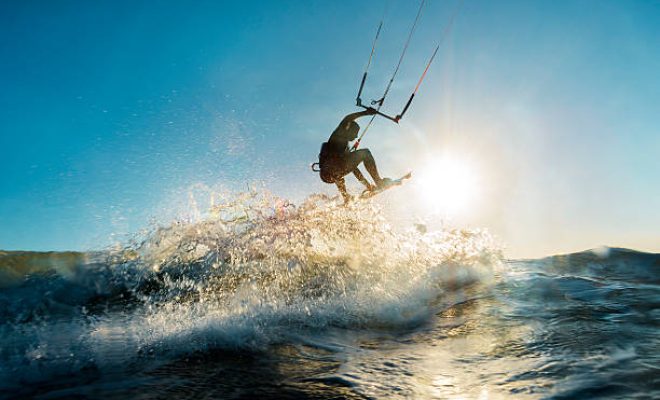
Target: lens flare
pixel 448 185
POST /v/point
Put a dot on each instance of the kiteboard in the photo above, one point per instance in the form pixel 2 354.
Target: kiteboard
pixel 392 183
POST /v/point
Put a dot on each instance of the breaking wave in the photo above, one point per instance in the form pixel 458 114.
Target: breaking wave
pixel 257 270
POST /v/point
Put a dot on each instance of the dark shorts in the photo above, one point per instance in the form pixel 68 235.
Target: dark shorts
pixel 335 166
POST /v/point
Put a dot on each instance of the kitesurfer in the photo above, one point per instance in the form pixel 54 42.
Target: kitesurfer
pixel 336 159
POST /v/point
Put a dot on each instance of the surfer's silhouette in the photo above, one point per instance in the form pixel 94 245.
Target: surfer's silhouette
pixel 336 160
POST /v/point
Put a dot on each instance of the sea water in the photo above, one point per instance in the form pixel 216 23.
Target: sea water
pixel 266 299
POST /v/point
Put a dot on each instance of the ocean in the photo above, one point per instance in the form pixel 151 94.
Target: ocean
pixel 266 299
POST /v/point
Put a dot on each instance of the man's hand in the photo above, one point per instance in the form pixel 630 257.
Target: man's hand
pixel 370 111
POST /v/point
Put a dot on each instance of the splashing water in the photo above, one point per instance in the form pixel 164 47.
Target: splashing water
pixel 261 298
pixel 256 272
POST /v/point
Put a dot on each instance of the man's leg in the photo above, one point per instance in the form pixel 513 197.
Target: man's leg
pixel 364 155
pixel 341 185
pixel 361 178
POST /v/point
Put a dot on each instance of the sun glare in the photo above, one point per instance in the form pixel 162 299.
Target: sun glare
pixel 448 185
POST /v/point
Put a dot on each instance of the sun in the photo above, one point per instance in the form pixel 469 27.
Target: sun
pixel 448 185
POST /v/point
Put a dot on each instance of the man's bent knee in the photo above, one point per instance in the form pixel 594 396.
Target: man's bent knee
pixel 364 154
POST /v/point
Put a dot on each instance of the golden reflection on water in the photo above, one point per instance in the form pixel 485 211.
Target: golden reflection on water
pixel 470 353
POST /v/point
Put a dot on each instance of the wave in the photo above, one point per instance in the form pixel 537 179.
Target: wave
pixel 257 270
pixel 607 263
pixel 594 316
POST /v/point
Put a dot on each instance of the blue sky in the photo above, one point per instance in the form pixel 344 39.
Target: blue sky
pixel 113 113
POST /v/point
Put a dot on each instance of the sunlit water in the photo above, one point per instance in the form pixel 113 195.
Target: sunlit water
pixel 264 299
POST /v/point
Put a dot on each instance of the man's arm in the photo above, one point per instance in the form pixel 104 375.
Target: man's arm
pixel 356 115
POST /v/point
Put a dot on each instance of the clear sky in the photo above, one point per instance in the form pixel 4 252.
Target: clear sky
pixel 114 114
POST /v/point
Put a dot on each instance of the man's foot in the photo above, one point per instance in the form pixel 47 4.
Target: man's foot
pixel 383 183
pixel 348 199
